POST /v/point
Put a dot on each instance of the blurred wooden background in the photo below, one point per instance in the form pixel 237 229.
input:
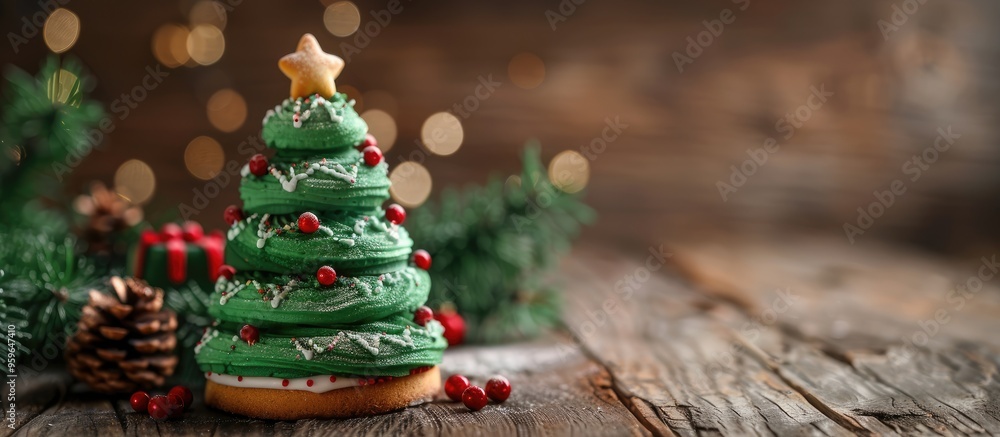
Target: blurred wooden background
pixel 657 181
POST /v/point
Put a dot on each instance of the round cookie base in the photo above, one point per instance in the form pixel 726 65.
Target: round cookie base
pixel 266 403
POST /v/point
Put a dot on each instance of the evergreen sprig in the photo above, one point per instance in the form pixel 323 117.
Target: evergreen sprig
pixel 494 247
pixel 44 285
pixel 45 123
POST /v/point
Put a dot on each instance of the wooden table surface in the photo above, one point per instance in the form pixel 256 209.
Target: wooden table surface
pixel 738 338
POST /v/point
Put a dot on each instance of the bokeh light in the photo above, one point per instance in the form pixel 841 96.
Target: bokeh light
pixel 204 157
pixel 205 44
pixel 442 133
pixel 170 45
pixel 526 70
pixel 382 126
pixel 227 110
pixel 208 12
pixel 379 99
pixel 135 181
pixel 569 171
pixel 513 182
pixel 61 30
pixel 342 18
pixel 411 184
pixel 60 88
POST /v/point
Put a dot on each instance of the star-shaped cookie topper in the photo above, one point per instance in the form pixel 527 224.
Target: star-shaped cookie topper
pixel 311 70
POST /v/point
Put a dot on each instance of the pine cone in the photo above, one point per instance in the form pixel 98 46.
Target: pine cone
pixel 108 216
pixel 124 342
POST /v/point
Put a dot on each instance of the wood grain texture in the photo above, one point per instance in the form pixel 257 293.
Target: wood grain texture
pixel 872 337
pixel 681 372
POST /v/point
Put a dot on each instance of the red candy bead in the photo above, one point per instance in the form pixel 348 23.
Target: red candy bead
pixel 158 408
pixel 250 334
pixel 454 386
pixel 185 394
pixel 308 222
pixel 326 275
pixel 232 214
pixel 373 155
pixel 227 271
pixel 258 165
pixel 192 231
pixel 474 398
pixel 139 401
pixel 498 388
pixel 422 259
pixel 368 141
pixel 422 315
pixel 395 214
pixel 454 326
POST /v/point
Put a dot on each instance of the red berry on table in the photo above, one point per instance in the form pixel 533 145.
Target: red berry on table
pixel 454 386
pixel 454 326
pixel 373 155
pixel 422 259
pixel 326 275
pixel 158 408
pixel 308 222
pixel 395 214
pixel 368 141
pixel 258 165
pixel 185 394
pixel 250 334
pixel 233 214
pixel 498 388
pixel 176 405
pixel 227 271
pixel 192 231
pixel 422 315
pixel 474 398
pixel 139 401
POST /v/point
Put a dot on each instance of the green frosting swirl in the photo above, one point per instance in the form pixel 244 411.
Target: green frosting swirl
pixel 344 182
pixel 330 126
pixel 267 300
pixel 352 244
pixel 388 347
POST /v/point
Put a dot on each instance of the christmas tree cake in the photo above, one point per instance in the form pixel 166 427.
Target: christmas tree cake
pixel 319 306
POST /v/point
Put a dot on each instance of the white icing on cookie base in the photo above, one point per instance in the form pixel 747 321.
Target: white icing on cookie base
pixel 315 384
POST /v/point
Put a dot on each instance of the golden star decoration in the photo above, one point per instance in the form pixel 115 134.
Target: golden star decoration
pixel 311 70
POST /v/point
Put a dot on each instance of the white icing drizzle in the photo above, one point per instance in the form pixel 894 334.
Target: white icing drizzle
pixel 299 116
pixel 245 171
pixel 238 227
pixel 262 232
pixel 205 338
pixel 363 288
pixel 279 296
pixel 391 230
pixel 228 289
pixel 373 343
pixel 291 181
pixel 320 383
pixel 309 348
